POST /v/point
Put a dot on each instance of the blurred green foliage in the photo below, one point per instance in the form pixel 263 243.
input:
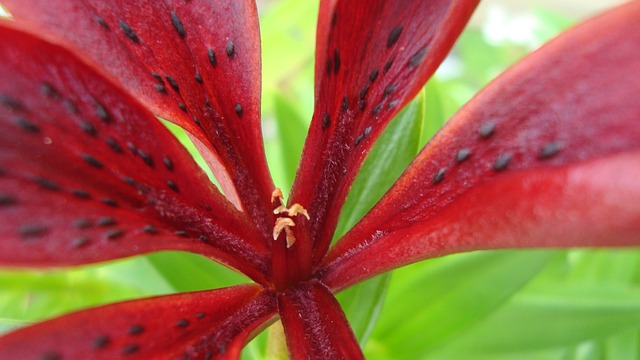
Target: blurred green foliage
pixel 577 304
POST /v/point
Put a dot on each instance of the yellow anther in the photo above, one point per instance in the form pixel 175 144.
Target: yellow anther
pixel 296 209
pixel 277 194
pixel 282 223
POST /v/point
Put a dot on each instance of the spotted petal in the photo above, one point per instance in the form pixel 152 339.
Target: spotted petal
pixel 196 63
pixel 314 324
pixel 547 156
pixel 212 324
pixel 363 78
pixel 87 174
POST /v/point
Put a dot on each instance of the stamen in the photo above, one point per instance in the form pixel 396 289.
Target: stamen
pixel 282 223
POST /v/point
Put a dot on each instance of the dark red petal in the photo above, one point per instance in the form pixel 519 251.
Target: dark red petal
pixel 314 324
pixel 211 324
pixel 195 63
pixel 87 174
pixel 372 58
pixel 547 156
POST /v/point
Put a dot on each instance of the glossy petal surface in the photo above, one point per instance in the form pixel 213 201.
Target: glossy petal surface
pixel 212 324
pixel 87 174
pixel 314 324
pixel 547 156
pixel 195 63
pixel 363 78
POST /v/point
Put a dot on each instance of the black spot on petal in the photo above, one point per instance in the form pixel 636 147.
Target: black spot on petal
pixel 80 242
pixel 177 24
pixel 376 109
pixel 92 161
pixel 502 162
pixel 345 104
pixel 487 129
pixel 81 194
pixel 130 349
pixel 198 78
pixel 394 35
pixel 47 184
pixel 11 103
pixel 238 109
pixel 388 65
pixel 212 57
pixel 462 155
pixel 31 231
pixel 326 121
pixel 158 77
pixel 113 144
pixel 200 315
pixel 439 176
pixel 6 200
pixel 128 31
pixel 389 90
pixel 549 150
pixel 173 83
pixel 180 233
pixel 51 356
pixel 101 341
pixel 136 329
pixel 361 104
pixel 230 49
pixel 101 22
pixel 114 234
pixel 49 91
pixel 106 221
pixel 373 75
pixel 102 113
pixel 70 106
pixel 109 201
pixel 172 186
pixel 88 128
pixel 182 323
pixel 358 139
pixel 167 163
pixel 336 61
pixel 146 157
pixel 82 223
pixel 150 229
pixel 182 107
pixel 160 88
pixel 26 125
pixel 416 59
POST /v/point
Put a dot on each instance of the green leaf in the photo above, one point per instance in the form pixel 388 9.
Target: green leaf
pixel 191 272
pixel 28 296
pixel 390 155
pixel 558 315
pixel 291 130
pixel 430 303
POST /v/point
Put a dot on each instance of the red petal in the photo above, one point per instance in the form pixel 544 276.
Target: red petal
pixel 87 174
pixel 363 78
pixel 547 156
pixel 314 324
pixel 202 325
pixel 159 50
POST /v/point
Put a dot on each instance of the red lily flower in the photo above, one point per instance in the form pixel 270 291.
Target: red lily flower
pixel 547 156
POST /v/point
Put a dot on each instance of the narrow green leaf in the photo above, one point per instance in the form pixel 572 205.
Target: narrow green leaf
pixel 559 315
pixel 291 130
pixel 391 154
pixel 191 272
pixel 436 300
pixel 29 296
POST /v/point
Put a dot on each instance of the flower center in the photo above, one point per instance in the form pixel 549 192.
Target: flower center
pixel 286 223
